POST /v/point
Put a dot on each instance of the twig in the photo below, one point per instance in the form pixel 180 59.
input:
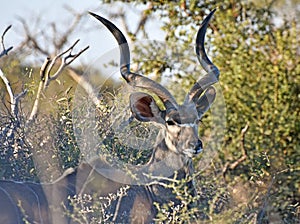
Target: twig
pixel 44 67
pixel 8 86
pixel 14 100
pixel 4 50
pixel 140 25
pixel 122 194
pixel 143 19
pixel 86 85
pixel 244 153
pixel 31 39
pixel 65 36
pixel 65 62
pixel 17 98
pixel 57 39
pixel 244 156
pixel 46 77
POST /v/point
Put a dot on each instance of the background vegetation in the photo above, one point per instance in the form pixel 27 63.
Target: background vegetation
pixel 255 177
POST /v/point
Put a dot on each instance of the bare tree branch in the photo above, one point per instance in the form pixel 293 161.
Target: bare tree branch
pixel 65 62
pixel 45 74
pixel 43 68
pixel 244 156
pixel 31 38
pixel 86 85
pixel 143 19
pixel 14 100
pixel 8 89
pixel 4 50
pixel 58 39
pixel 140 25
pixel 64 37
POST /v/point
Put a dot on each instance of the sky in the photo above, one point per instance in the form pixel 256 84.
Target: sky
pixel 99 39
pixel 91 32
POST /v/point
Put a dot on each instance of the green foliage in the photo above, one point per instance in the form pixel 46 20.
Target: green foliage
pixel 260 67
pixel 16 160
pixel 181 208
pixel 92 208
pixel 64 138
pixel 26 147
pixel 88 209
pixel 260 73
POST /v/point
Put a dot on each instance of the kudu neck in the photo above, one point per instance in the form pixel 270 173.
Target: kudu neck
pixel 163 163
pixel 169 159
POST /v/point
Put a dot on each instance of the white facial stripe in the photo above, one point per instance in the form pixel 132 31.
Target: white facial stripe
pixel 188 125
pixel 188 152
pixel 192 152
pixel 170 145
pixel 174 129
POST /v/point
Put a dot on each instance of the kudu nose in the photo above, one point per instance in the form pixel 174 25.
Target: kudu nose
pixel 198 147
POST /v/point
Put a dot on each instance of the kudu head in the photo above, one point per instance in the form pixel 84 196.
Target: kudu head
pixel 180 122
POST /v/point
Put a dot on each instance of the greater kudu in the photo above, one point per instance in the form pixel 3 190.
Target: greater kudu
pixel 175 146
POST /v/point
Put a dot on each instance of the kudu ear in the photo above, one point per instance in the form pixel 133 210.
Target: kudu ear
pixel 205 101
pixel 144 108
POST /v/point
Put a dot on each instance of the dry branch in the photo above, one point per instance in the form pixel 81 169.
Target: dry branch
pixel 233 165
pixel 56 39
pixel 46 77
pixel 143 19
pixel 14 99
pixel 125 23
pixel 31 39
pixel 4 50
pixel 64 62
pixel 86 85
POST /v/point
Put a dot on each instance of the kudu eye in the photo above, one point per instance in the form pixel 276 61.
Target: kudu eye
pixel 198 121
pixel 171 122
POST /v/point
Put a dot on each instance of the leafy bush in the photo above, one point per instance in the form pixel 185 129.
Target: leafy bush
pixel 259 64
pixel 255 175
